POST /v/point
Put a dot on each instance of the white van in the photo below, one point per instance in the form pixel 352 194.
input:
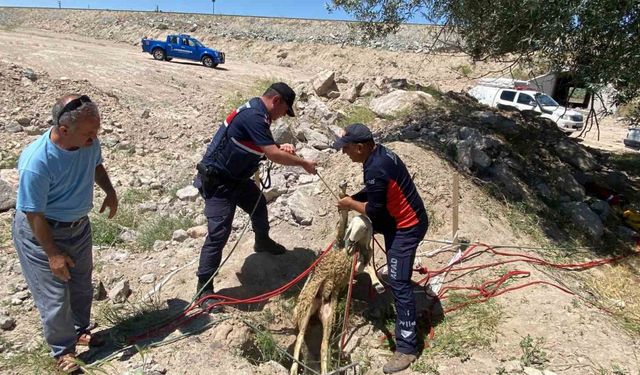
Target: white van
pixel 521 97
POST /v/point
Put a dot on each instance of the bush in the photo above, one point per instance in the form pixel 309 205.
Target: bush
pixel 357 114
pixel 161 228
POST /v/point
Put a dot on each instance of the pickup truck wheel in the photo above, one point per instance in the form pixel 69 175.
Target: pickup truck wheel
pixel 208 62
pixel 159 54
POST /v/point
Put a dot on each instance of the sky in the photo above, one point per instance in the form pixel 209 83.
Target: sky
pixel 274 8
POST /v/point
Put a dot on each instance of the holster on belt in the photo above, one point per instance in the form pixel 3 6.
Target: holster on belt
pixel 209 179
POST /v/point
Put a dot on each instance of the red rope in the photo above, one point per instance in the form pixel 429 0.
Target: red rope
pixel 493 288
pixel 184 317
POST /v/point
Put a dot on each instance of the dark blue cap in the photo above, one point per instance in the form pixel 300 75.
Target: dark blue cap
pixel 287 94
pixel 354 133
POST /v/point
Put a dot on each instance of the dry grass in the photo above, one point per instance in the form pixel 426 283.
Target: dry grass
pixel 614 285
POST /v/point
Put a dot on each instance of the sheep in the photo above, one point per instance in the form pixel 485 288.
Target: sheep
pixel 329 278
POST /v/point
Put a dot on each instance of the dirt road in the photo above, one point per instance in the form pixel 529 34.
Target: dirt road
pixel 127 72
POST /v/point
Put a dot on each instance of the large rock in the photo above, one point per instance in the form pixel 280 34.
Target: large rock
pixel 352 93
pixel 7 323
pixel 23 121
pixel 99 292
pixel 316 110
pixel 370 89
pixel 469 156
pixel 13 127
pixel 148 278
pixel 278 187
pixel 315 138
pixel 189 193
pixel 301 205
pixel 583 217
pixel 198 232
pixel 282 133
pixel 7 196
pixel 463 154
pixel 576 155
pixel 272 368
pixel 400 101
pixel 568 184
pixel 496 121
pixel 324 83
pixel 120 292
pixel 502 174
pixel 311 154
pixel 601 208
pixel 179 235
pixel 30 74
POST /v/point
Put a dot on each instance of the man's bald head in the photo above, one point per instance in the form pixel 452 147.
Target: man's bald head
pixel 70 118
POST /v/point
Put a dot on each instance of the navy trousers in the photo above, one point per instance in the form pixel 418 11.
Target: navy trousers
pixel 401 249
pixel 220 208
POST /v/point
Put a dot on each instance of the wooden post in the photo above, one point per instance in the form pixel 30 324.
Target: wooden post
pixel 456 202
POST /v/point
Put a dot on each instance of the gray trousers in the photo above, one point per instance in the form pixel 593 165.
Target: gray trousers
pixel 65 307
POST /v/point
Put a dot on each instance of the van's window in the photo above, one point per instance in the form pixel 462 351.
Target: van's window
pixel 173 40
pixel 525 99
pixel 546 100
pixel 508 95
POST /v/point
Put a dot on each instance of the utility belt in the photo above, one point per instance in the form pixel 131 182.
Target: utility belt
pixel 210 178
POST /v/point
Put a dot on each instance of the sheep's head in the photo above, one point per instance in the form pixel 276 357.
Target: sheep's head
pixel 359 233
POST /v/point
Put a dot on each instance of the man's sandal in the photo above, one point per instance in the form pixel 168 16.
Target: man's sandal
pixel 67 363
pixel 89 339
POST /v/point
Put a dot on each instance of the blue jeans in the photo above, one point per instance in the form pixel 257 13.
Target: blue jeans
pixel 220 209
pixel 401 247
pixel 65 307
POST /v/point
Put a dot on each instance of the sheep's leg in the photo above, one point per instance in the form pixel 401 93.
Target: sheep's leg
pixel 364 265
pixel 327 312
pixel 302 325
pixel 375 281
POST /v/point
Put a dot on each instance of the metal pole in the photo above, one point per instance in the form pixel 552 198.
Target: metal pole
pixel 59 4
pixel 455 208
pixel 213 5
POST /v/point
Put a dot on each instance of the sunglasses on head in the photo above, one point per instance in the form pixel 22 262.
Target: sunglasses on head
pixel 72 106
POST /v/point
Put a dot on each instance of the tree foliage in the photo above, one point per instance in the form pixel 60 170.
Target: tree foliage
pixel 597 40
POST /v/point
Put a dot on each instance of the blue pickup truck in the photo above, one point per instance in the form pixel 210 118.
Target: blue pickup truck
pixel 182 46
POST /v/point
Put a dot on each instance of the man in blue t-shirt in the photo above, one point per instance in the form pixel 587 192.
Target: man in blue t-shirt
pixel 390 199
pixel 51 230
pixel 225 178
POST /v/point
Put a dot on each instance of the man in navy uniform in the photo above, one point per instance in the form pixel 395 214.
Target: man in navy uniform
pixel 225 177
pixel 391 201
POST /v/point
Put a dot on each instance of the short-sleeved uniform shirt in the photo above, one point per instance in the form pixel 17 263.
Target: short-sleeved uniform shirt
pixel 236 149
pixel 55 181
pixel 393 201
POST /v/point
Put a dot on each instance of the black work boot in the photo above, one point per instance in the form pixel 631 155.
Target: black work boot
pixel 264 243
pixel 398 362
pixel 205 289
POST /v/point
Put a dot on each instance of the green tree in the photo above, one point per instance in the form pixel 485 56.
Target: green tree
pixel 597 40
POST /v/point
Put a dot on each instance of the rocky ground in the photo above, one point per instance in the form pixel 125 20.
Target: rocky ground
pixel 523 183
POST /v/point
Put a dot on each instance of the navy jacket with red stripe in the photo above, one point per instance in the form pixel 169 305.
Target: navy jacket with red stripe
pixel 392 199
pixel 236 149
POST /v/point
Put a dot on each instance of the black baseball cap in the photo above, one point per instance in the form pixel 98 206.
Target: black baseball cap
pixel 354 133
pixel 287 94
